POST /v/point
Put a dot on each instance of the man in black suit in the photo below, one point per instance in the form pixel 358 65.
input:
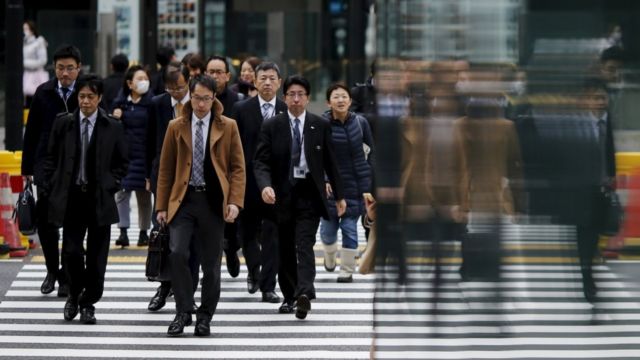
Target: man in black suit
pixel 294 153
pixel 596 102
pixel 167 107
pixel 257 217
pixel 218 68
pixel 85 161
pixel 113 82
pixel 58 95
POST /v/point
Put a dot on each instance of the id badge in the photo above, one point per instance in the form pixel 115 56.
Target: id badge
pixel 298 173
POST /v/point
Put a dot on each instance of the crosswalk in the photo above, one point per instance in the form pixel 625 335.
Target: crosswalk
pixel 338 327
pixel 535 311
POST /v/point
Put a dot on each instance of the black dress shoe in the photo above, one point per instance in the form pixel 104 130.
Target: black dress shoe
pixel 71 308
pixel 159 299
pixel 123 239
pixel 253 283
pixel 286 307
pixel 63 290
pixel 233 263
pixel 270 297
pixel 87 315
pixel 143 238
pixel 179 322
pixel 303 305
pixel 590 291
pixel 48 284
pixel 202 327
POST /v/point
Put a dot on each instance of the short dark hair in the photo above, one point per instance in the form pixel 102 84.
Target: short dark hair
pixel 296 80
pixel 164 55
pixel 202 80
pixel 268 65
pixel 67 51
pixel 615 53
pixel 128 76
pixel 335 86
pixel 594 84
pixel 91 81
pixel 221 58
pixel 120 63
pixel 194 61
pixel 172 72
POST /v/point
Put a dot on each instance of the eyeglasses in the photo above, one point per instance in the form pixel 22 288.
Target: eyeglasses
pixel 89 97
pixel 205 99
pixel 294 95
pixel 216 72
pixel 176 90
pixel 69 68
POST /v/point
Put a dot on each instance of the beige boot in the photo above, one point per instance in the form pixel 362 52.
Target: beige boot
pixel 330 256
pixel 347 265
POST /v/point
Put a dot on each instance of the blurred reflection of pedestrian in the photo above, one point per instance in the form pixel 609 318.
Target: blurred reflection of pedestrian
pixel 34 52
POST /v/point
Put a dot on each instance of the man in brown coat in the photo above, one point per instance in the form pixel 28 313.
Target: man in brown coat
pixel 201 184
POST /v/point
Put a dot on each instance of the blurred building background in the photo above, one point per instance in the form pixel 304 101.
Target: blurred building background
pixel 329 40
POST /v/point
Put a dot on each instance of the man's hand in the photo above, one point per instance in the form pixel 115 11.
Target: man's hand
pixel 117 113
pixel 232 213
pixel 370 206
pixel 328 190
pixel 147 185
pixel 268 195
pixel 162 217
pixel 341 206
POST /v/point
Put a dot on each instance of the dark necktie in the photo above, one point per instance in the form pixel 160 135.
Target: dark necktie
pixel 82 171
pixel 266 111
pixel 65 93
pixel 198 156
pixel 296 147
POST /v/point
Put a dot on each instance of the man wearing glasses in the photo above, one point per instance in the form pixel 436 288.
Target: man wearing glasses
pixel 166 107
pixel 200 186
pixel 56 96
pixel 294 153
pixel 218 69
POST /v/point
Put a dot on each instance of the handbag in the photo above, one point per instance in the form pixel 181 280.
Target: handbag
pixel 25 210
pixel 32 79
pixel 613 213
pixel 368 258
pixel 158 255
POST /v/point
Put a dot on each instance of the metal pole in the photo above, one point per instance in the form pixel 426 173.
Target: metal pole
pixel 13 87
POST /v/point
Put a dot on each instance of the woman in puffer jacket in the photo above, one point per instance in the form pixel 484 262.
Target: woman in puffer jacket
pixel 133 107
pixel 353 146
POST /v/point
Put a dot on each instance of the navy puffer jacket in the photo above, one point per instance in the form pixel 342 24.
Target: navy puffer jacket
pixel 135 118
pixel 356 170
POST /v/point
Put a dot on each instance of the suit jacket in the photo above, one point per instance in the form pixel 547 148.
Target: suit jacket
pixel 160 115
pixel 46 105
pixel 272 162
pixel 431 167
pixel 226 155
pixel 491 152
pixel 563 166
pixel 248 115
pixel 110 165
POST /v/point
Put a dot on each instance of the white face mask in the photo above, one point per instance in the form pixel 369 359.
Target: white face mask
pixel 142 87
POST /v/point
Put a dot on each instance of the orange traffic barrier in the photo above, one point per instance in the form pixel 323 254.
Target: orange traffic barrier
pixel 9 228
pixel 627 241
